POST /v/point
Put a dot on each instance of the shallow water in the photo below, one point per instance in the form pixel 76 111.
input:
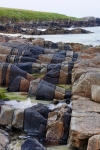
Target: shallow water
pixel 86 39
pixel 63 147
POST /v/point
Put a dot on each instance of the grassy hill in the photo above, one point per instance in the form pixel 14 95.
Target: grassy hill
pixel 28 15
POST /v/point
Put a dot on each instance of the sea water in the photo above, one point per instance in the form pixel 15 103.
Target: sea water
pixel 86 39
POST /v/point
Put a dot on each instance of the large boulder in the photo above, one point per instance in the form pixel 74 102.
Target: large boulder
pixel 32 144
pixel 58 125
pixel 77 72
pixel 85 121
pixel 8 72
pixel 19 84
pixel 35 120
pixel 45 90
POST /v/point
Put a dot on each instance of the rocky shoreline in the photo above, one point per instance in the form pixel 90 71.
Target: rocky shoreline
pixel 18 28
pixel 43 69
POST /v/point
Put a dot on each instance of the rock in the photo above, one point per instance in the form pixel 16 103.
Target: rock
pixel 92 50
pixel 33 87
pixel 93 61
pixel 94 143
pixel 58 125
pixel 4 140
pixel 95 93
pixel 84 113
pixel 38 41
pixel 18 118
pixel 8 72
pixel 55 133
pixel 19 84
pixel 6 115
pixel 45 91
pixel 32 121
pixel 14 51
pixel 77 72
pixel 32 144
pixel 78 31
pixel 79 47
pixel 82 86
pixel 5 50
pixel 58 30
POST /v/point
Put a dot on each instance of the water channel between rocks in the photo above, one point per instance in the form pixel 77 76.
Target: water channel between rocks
pixel 20 100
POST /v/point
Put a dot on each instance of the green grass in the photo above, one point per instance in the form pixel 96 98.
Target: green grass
pixel 28 15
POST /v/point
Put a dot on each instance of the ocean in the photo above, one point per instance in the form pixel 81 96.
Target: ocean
pixel 86 39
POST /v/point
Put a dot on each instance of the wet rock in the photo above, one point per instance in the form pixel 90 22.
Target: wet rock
pixel 45 91
pixel 32 121
pixel 56 77
pixel 4 140
pixel 30 67
pixel 19 84
pixel 6 115
pixel 84 113
pixel 32 144
pixel 8 72
pixel 42 109
pixel 94 143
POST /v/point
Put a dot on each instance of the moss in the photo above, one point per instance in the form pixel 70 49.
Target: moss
pixel 11 95
pixel 67 87
pixel 38 75
pixel 2 93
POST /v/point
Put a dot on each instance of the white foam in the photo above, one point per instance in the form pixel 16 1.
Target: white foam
pixel 23 104
pixel 11 35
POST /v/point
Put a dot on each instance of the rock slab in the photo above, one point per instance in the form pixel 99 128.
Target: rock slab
pixel 85 121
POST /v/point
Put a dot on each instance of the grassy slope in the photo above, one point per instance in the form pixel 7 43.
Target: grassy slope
pixel 28 15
